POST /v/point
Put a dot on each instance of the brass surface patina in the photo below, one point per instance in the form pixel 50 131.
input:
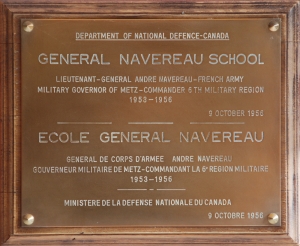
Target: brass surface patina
pixel 151 122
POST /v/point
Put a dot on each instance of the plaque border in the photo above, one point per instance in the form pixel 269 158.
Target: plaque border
pixel 12 11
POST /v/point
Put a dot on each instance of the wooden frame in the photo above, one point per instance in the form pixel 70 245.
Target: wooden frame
pixel 13 10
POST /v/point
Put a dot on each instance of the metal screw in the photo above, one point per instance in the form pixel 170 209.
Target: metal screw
pixel 28 219
pixel 273 26
pixel 28 26
pixel 273 218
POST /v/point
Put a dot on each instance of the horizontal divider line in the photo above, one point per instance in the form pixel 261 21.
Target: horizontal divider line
pixel 150 123
pixel 132 189
pixel 217 123
pixel 151 189
pixel 84 123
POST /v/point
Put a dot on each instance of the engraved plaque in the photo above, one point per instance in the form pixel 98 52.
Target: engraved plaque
pixel 151 122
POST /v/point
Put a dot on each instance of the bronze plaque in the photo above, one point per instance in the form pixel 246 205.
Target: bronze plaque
pixel 151 122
